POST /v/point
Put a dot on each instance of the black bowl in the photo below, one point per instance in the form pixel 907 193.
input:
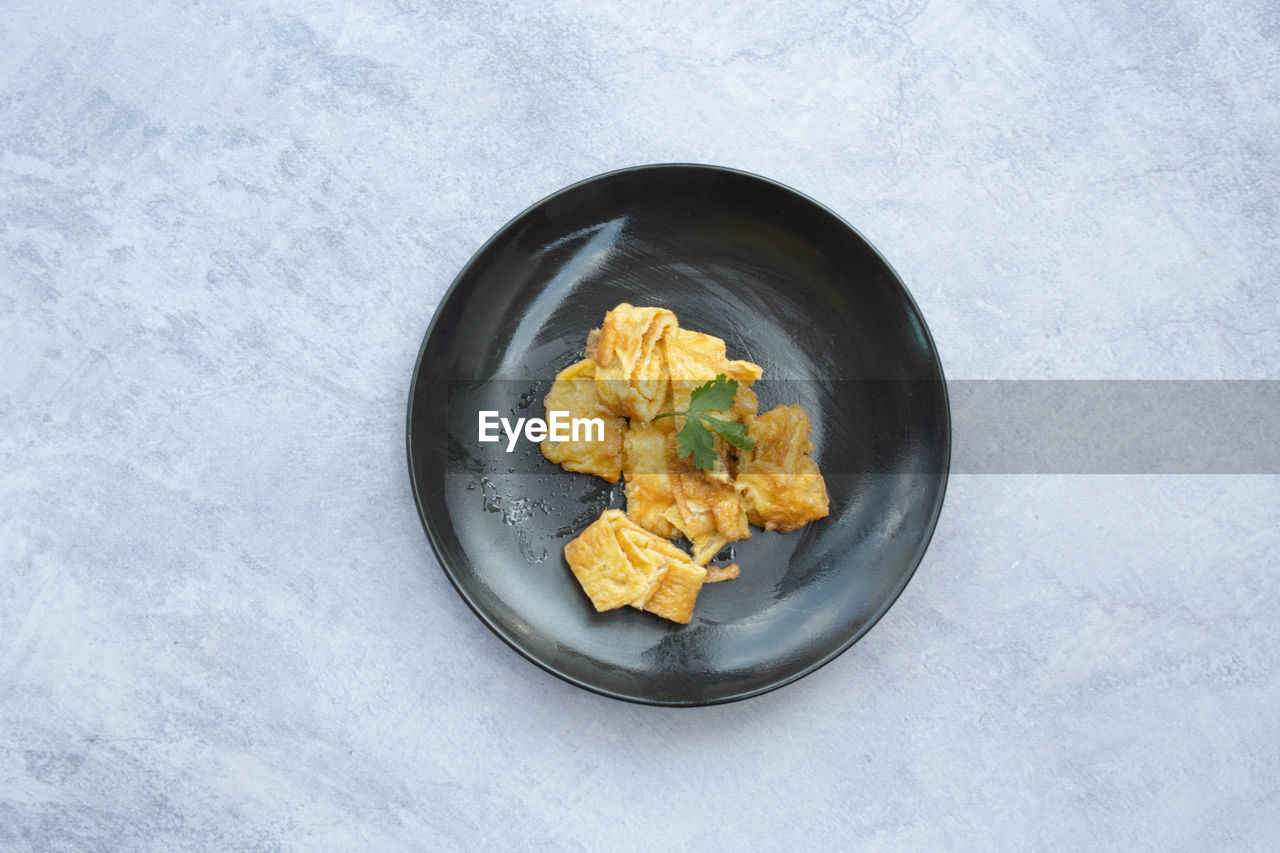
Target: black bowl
pixel 788 285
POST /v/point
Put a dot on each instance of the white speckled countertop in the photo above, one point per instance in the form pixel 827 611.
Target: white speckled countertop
pixel 223 230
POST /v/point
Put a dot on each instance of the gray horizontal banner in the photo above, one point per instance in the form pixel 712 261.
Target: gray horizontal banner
pixel 897 426
pixel 1115 426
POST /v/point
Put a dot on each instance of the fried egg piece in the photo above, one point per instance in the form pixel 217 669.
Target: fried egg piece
pixel 782 488
pixel 617 562
pixel 669 496
pixel 648 485
pixel 574 391
pixel 631 366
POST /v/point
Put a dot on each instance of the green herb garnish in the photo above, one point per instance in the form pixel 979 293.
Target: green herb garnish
pixel 694 438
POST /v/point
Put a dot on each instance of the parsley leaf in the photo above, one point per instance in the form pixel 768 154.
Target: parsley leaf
pixel 731 431
pixel 694 439
pixel 715 396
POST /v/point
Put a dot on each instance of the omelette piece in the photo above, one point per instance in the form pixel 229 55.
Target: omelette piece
pixel 644 467
pixel 618 562
pixel 607 573
pixel 744 371
pixel 574 391
pixel 782 488
pixel 694 358
pixel 678 592
pixel 715 574
pixel 745 403
pixel 708 509
pixel 631 368
pixel 670 497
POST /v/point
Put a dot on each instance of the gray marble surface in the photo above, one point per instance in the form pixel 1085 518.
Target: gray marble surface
pixel 223 230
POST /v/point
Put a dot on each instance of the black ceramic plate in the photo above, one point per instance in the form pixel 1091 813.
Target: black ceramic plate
pixel 788 285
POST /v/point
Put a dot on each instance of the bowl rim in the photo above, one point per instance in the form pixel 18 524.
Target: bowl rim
pixel 438 549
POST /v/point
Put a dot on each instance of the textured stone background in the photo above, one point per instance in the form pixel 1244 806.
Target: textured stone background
pixel 223 230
